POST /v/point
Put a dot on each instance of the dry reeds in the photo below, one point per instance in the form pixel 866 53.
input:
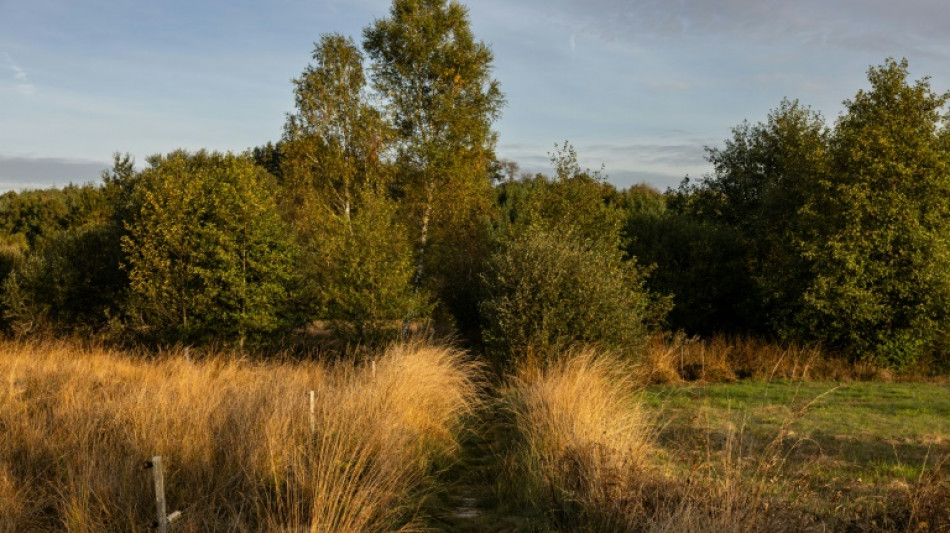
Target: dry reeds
pixel 580 433
pixel 76 424
pixel 673 358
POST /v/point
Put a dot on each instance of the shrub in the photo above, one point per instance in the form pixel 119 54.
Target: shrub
pixel 580 435
pixel 71 280
pixel 546 291
pixel 357 272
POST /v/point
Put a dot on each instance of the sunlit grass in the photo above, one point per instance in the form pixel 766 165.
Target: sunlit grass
pixel 77 423
pixel 857 451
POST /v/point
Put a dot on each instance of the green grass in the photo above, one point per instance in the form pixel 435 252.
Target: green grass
pixel 846 442
pixel 905 411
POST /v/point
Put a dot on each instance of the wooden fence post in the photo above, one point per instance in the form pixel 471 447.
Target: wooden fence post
pixel 162 520
pixel 158 476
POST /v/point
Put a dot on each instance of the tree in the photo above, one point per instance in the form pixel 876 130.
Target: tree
pixel 41 214
pixel 574 200
pixel 877 245
pixel 700 263
pixel 364 271
pixel 356 260
pixel 69 281
pixel 71 278
pixel 206 253
pixel 436 82
pixel 333 143
pixel 746 216
pixel 270 157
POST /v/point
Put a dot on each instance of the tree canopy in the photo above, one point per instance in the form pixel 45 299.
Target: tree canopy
pixel 207 254
pixel 383 204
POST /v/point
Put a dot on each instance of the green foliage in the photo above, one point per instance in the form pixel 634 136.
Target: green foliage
pixel 40 214
pixel 878 247
pixel 641 199
pixel 559 275
pixel 270 157
pixel 72 280
pixel 436 82
pixel 574 200
pixel 546 291
pixel 355 267
pixel 12 254
pixel 744 251
pixel 844 230
pixel 700 264
pixel 362 270
pixel 333 143
pixel 65 270
pixel 12 250
pixel 207 255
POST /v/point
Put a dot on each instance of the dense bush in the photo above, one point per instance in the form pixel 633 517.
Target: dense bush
pixel 362 271
pixel 878 252
pixel 700 264
pixel 12 249
pixel 843 230
pixel 72 280
pixel 546 291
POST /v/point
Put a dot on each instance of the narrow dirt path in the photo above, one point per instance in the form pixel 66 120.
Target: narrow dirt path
pixel 469 503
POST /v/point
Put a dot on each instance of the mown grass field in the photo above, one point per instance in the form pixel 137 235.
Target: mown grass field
pixel 848 449
pixel 872 432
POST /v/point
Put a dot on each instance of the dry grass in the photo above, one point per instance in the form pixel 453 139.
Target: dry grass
pixel 585 458
pixel 581 433
pixel 673 358
pixel 76 424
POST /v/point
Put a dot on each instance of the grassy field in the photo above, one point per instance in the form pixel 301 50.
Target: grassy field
pixel 852 450
pixel 416 437
pixel 741 456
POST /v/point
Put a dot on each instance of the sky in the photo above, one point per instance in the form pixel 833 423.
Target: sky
pixel 638 86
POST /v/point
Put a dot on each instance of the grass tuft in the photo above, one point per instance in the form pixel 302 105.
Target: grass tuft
pixel 580 433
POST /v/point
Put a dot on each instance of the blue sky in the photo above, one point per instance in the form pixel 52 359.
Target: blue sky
pixel 640 86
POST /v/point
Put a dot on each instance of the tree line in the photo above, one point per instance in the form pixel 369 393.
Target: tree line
pixel 384 206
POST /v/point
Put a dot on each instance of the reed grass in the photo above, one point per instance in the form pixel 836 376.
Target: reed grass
pixel 77 422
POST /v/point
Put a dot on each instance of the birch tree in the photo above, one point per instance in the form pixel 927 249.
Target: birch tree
pixel 437 84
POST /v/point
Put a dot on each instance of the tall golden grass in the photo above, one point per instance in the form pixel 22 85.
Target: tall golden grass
pixel 676 357
pixel 580 433
pixel 76 423
pixel 587 459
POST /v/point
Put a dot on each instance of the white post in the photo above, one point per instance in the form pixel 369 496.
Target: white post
pixel 162 521
pixel 313 416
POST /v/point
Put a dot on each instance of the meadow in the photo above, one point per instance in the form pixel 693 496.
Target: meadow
pixel 423 437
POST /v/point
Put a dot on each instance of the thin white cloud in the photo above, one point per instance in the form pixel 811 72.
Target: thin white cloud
pixel 23 84
pixel 882 26
pixel 26 172
pixel 626 164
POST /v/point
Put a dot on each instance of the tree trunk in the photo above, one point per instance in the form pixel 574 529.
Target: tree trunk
pixel 420 259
